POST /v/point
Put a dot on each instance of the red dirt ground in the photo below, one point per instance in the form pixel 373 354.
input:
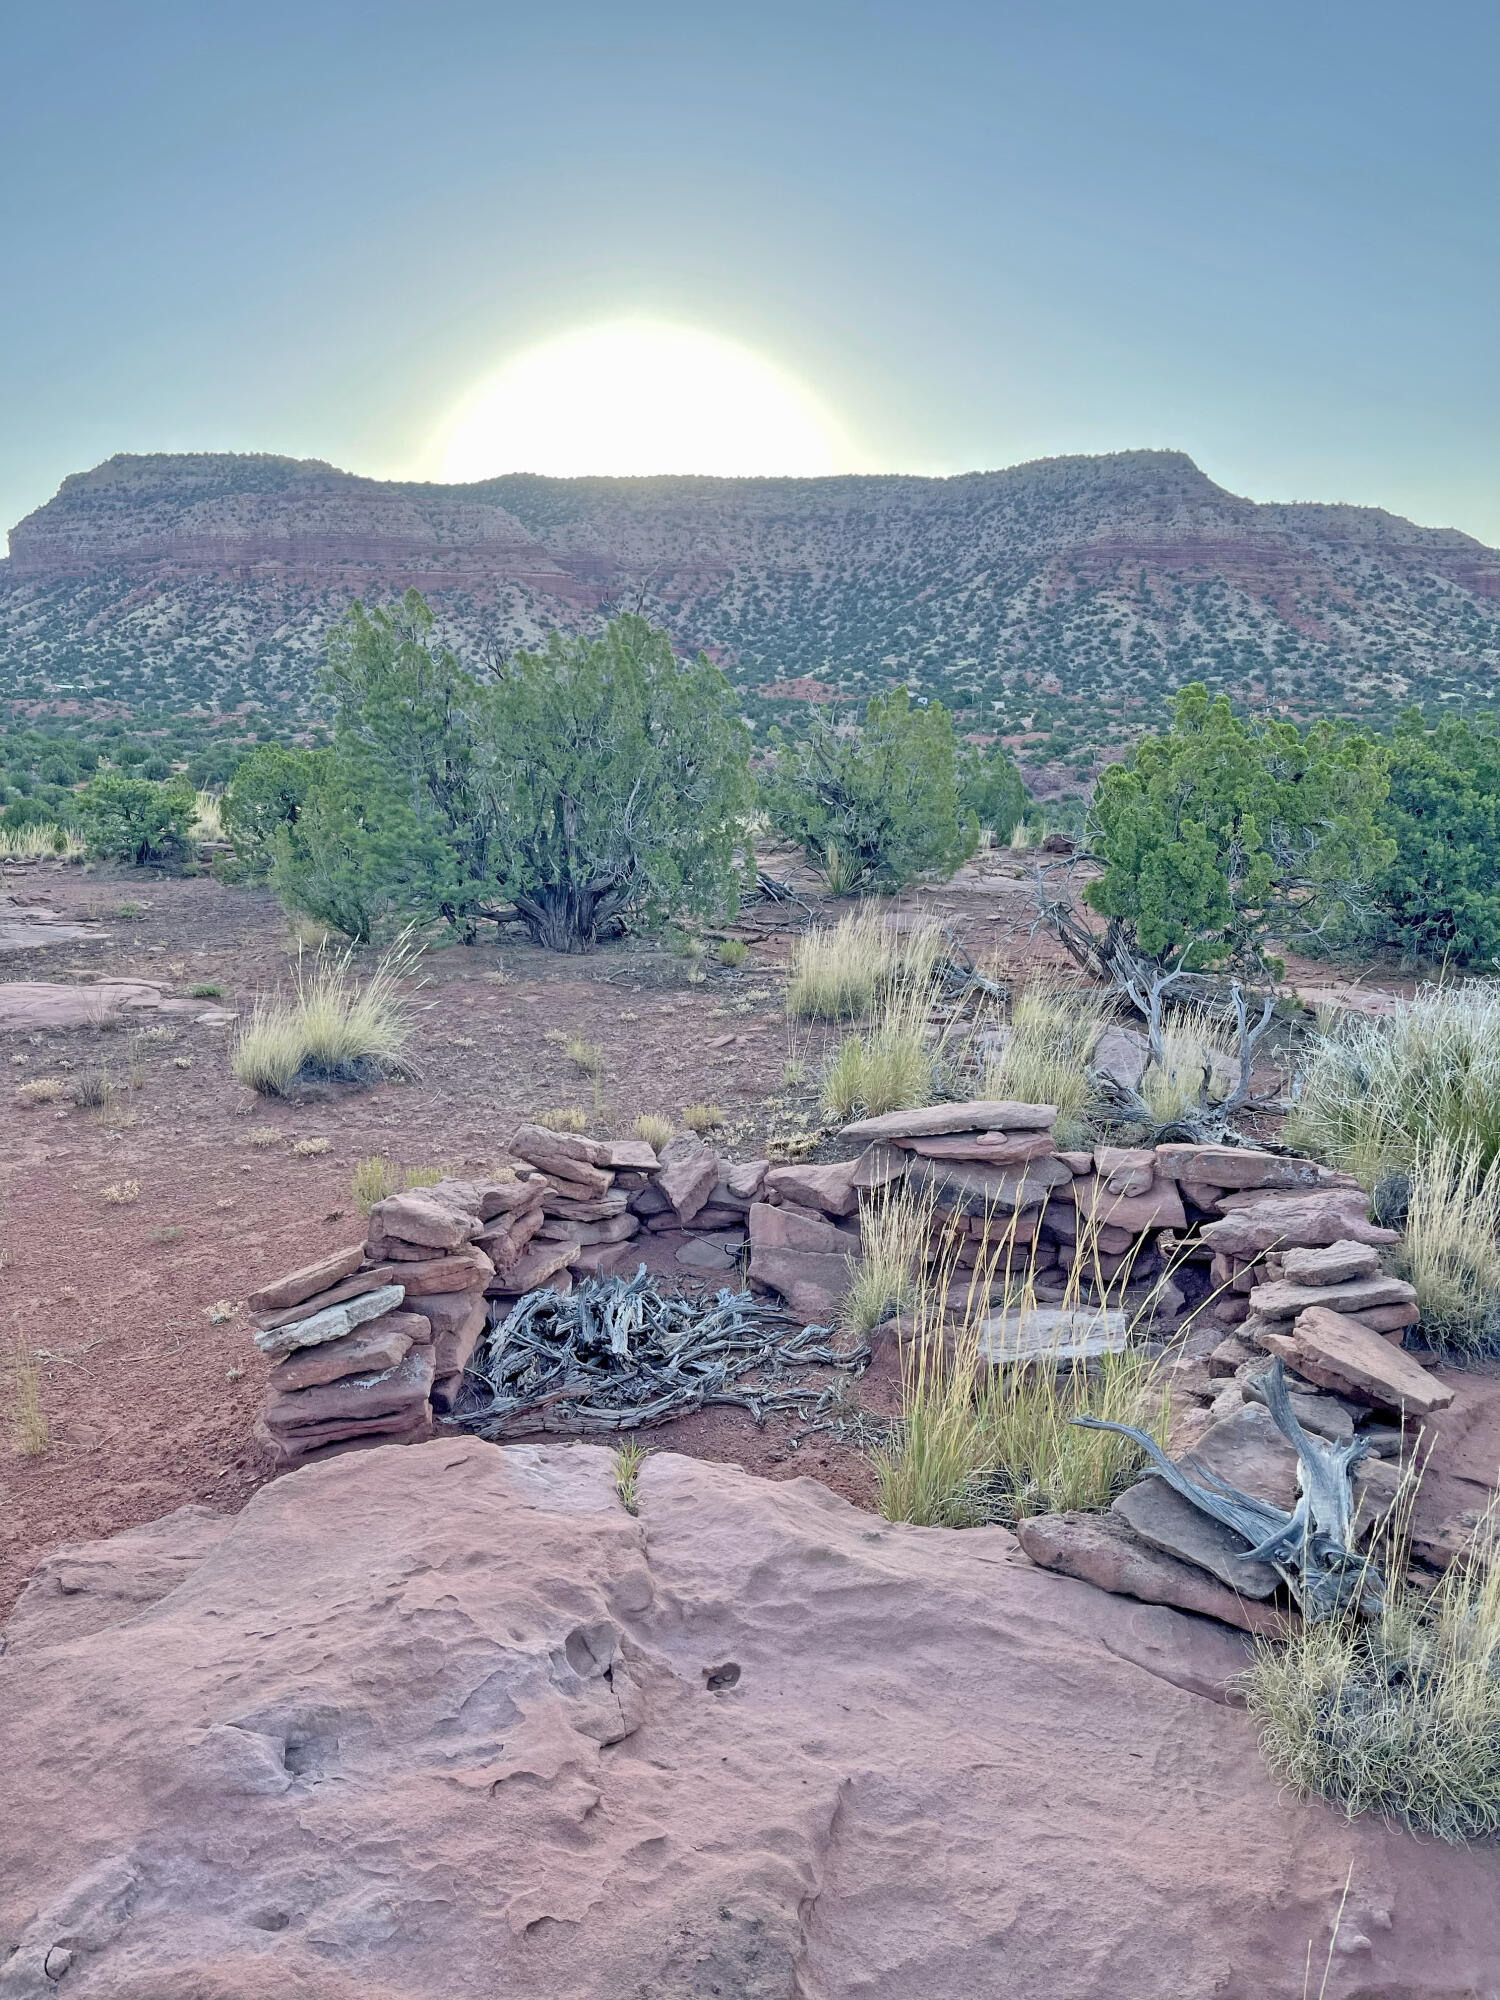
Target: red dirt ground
pixel 150 1402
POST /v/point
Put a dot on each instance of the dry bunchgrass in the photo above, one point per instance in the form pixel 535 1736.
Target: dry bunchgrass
pixel 702 1118
pixel 629 1458
pixel 332 1027
pixel 263 1135
pixel 894 1229
pixel 375 1177
pixel 1450 1248
pixel 1051 1035
pixel 841 973
pixel 92 1090
pixel 120 1194
pixel 564 1118
pixel 585 1056
pixel 44 842
pixel 310 1149
pixel 979 1442
pixel 1191 1039
pixel 1397 1715
pixel 1377 1092
pixel 891 1065
pixel 29 1432
pixel 208 816
pixel 44 1090
pixel 654 1130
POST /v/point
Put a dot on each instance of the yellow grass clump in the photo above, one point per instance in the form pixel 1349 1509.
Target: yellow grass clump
pixel 29 1430
pixel 1377 1092
pixel 44 842
pixel 654 1130
pixel 890 1065
pixel 332 1027
pixel 983 1442
pixel 840 972
pixel 1397 1715
pixel 1195 1045
pixel 1450 1247
pixel 1044 1060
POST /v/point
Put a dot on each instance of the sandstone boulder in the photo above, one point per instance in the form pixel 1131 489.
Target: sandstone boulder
pixel 1281 1299
pixel 1255 1223
pixel 570 1152
pixel 416 1217
pixel 1160 1207
pixel 1334 1264
pixel 745 1180
pixel 1340 1354
pixel 593 1208
pixel 804 1258
pixel 503 1240
pixel 373 1280
pixel 1167 1521
pixel 631 1155
pixel 467 1270
pixel 354 1399
pixel 998 1149
pixel 534 1267
pixel 969 1188
pixel 1122 1054
pixel 447 1720
pixel 1241 1167
pixel 1126 1169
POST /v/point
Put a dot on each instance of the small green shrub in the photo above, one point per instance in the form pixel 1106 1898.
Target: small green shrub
pixel 733 952
pixel 136 820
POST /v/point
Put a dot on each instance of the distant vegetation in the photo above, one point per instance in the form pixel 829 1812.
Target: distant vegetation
pixel 600 782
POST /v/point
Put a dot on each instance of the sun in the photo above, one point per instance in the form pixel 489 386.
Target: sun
pixel 637 397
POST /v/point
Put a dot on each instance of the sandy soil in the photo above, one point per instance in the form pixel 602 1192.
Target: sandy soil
pixel 130 1235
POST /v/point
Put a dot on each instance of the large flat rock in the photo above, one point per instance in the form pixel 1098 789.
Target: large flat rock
pixel 445 1719
pixel 982 1115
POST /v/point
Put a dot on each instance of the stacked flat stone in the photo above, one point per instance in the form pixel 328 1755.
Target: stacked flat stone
pixel 350 1361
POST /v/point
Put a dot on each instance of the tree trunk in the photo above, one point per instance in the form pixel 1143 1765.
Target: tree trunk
pixel 561 919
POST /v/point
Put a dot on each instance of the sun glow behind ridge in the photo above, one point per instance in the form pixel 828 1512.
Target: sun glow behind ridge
pixel 638 397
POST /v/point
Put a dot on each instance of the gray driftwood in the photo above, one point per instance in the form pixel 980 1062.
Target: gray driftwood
pixel 1311 1548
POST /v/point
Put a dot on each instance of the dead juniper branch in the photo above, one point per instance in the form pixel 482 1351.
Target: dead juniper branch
pixel 1311 1549
pixel 617 1355
pixel 1148 991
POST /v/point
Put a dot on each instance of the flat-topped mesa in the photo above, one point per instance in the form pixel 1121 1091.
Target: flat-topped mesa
pixel 938 1120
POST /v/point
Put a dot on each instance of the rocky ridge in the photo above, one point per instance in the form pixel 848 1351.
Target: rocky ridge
pixel 209 576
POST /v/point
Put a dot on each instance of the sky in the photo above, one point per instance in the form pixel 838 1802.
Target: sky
pixel 965 233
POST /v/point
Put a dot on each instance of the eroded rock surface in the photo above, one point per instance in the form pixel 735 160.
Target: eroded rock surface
pixel 446 1719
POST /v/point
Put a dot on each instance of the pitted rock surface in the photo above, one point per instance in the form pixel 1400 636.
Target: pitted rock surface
pixel 446 1719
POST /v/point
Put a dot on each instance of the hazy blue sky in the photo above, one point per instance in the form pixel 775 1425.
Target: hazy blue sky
pixel 981 232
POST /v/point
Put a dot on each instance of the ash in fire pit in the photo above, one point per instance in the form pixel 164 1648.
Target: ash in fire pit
pixel 617 1354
